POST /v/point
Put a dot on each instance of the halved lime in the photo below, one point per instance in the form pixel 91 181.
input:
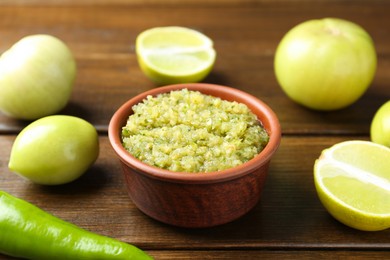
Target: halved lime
pixel 352 179
pixel 173 54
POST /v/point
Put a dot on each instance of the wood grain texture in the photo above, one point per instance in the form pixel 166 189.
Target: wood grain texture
pixel 289 222
pixel 265 254
pixel 102 39
pixel 289 215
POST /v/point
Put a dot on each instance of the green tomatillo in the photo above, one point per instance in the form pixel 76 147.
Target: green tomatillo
pixel 325 64
pixel 54 150
pixel 36 77
pixel 380 125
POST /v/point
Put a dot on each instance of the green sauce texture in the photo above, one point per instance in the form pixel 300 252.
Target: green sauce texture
pixel 187 131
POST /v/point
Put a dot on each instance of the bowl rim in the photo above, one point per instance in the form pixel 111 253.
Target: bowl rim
pixel 264 113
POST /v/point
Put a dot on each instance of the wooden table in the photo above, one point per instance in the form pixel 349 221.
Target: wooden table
pixel 289 222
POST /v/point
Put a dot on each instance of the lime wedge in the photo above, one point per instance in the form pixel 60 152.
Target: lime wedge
pixel 352 179
pixel 173 54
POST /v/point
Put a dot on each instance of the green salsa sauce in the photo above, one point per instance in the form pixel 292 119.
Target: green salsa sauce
pixel 187 131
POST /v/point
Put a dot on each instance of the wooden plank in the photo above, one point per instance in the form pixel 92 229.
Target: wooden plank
pixel 174 2
pixel 264 254
pixel 260 254
pixel 102 39
pixel 289 215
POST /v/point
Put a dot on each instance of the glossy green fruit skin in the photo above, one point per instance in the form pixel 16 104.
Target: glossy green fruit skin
pixel 325 64
pixel 28 232
pixel 36 77
pixel 380 125
pixel 54 150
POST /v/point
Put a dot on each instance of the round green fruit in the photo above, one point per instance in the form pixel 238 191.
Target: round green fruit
pixel 380 125
pixel 36 77
pixel 54 150
pixel 325 64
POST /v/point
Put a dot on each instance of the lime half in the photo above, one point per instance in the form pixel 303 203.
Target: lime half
pixel 352 179
pixel 173 54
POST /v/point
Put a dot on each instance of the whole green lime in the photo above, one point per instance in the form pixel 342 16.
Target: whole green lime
pixel 54 150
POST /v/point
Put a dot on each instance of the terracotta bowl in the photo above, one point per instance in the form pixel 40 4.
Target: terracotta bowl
pixel 196 200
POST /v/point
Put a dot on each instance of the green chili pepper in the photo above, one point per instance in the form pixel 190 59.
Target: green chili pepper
pixel 27 231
